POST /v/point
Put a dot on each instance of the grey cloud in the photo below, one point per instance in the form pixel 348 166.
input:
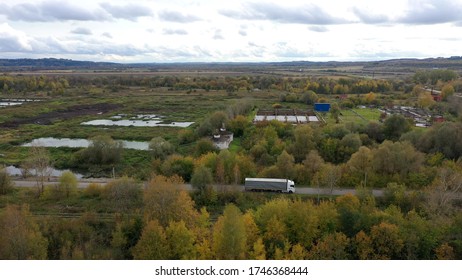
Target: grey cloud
pixel 82 31
pixel 368 17
pixel 306 14
pixel 130 11
pixel 181 53
pixel 12 40
pixel 107 35
pixel 177 17
pixel 175 32
pixel 218 35
pixel 11 44
pixel 432 12
pixel 242 32
pixel 318 28
pixel 51 11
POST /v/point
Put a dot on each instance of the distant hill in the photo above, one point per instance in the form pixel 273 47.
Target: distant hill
pixel 403 65
pixel 51 63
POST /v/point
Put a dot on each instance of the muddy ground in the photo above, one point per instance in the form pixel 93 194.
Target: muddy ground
pixel 70 112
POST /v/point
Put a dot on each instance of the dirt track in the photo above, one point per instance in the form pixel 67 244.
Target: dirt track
pixel 70 112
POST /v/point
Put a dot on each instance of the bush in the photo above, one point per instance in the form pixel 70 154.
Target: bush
pixel 93 190
pixel 6 185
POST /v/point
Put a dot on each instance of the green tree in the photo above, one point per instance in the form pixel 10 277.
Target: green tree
pixel 160 148
pixel 360 163
pixel 399 158
pixel 313 163
pixel 202 178
pixel 201 181
pixel 286 164
pixel 102 150
pixel 178 165
pixel 238 125
pixel 303 143
pixel 229 235
pixel 204 146
pixel 68 183
pixel 394 126
pixel 335 112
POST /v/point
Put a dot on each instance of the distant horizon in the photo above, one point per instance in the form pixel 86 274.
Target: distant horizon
pixel 232 62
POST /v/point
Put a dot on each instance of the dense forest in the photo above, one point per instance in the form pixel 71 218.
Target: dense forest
pixel 148 214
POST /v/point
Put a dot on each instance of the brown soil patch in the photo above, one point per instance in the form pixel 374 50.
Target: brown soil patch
pixel 70 112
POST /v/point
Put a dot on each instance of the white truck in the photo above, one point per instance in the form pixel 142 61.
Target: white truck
pixel 269 184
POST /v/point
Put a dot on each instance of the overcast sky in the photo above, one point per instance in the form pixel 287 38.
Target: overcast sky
pixel 234 30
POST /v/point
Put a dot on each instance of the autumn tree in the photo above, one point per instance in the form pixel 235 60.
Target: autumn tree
pixel 165 200
pixel 152 244
pixel 302 223
pixel 270 219
pixel 5 182
pixel 180 241
pixel 21 238
pixel 446 187
pixel 362 245
pixel 332 247
pixel 425 100
pixel 123 194
pixel 329 176
pixel 386 241
pixel 447 91
pixel 445 252
pixel 229 235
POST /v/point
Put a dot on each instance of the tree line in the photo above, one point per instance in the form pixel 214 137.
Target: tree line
pixel 163 221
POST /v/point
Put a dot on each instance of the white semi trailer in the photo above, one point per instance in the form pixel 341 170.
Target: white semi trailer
pixel 269 184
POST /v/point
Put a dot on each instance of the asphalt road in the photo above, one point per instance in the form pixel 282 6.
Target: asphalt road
pixel 83 183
